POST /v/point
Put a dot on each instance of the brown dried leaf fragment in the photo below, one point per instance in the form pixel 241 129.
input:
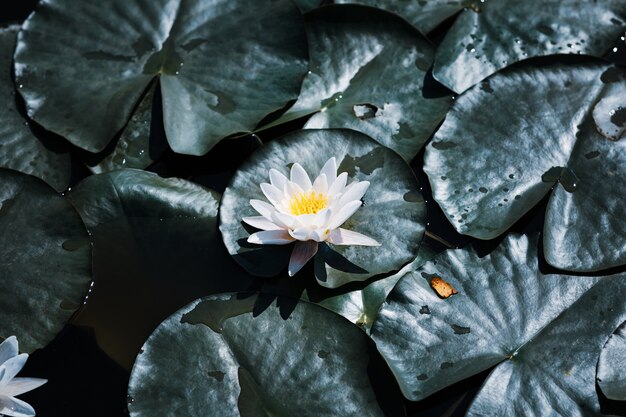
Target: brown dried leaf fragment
pixel 442 288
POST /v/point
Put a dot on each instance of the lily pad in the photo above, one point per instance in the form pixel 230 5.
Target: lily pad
pixel 487 171
pixel 393 214
pixel 151 236
pixel 20 148
pixel 542 332
pixel 216 79
pixel 367 73
pixel 46 253
pixel 490 35
pixel 612 365
pixel 214 354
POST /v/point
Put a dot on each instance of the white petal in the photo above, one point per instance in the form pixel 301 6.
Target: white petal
pixel 273 194
pixel 261 222
pixel 344 214
pixel 353 192
pixel 263 208
pixel 291 189
pixel 19 386
pixel 320 184
pixel 8 349
pixel 277 179
pixel 288 221
pixel 301 233
pixel 348 237
pixel 322 218
pixel 271 237
pixel 302 253
pixel 14 407
pixel 320 235
pixel 300 177
pixel 307 220
pixel 338 185
pixel 330 170
pixel 12 366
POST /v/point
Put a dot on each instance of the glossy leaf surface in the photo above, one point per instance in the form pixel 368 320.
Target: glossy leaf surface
pixel 214 354
pixel 490 35
pixel 46 260
pixel 612 365
pixel 20 149
pixel 216 79
pixel 542 332
pixel 487 171
pixel 367 73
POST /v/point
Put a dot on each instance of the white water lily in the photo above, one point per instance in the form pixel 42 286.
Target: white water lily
pixel 10 364
pixel 307 212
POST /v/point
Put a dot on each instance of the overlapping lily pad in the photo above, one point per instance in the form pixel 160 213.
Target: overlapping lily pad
pixel 214 354
pixel 216 79
pixel 393 213
pixel 20 149
pixel 152 236
pixel 542 332
pixel 612 365
pixel 490 35
pixel 548 137
pixel 367 73
pixel 46 260
pixel 138 145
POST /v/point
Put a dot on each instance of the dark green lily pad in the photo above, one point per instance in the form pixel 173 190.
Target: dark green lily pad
pixel 542 332
pixel 394 212
pixel 612 365
pixel 214 354
pixel 487 171
pixel 216 79
pixel 367 73
pixel 46 260
pixel 151 236
pixel 490 35
pixel 20 149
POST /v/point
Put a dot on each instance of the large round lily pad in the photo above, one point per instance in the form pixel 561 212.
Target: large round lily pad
pixel 542 332
pixel 556 131
pixel 217 78
pixel 46 260
pixel 612 365
pixel 214 354
pixel 490 35
pixel 151 236
pixel 20 149
pixel 393 213
pixel 367 73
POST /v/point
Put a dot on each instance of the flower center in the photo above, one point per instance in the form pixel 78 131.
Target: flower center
pixel 307 203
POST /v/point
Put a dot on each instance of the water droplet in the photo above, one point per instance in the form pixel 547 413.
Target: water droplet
pixel 483 190
pixel 422 377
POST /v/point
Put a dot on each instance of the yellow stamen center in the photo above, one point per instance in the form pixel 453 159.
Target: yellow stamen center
pixel 308 203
